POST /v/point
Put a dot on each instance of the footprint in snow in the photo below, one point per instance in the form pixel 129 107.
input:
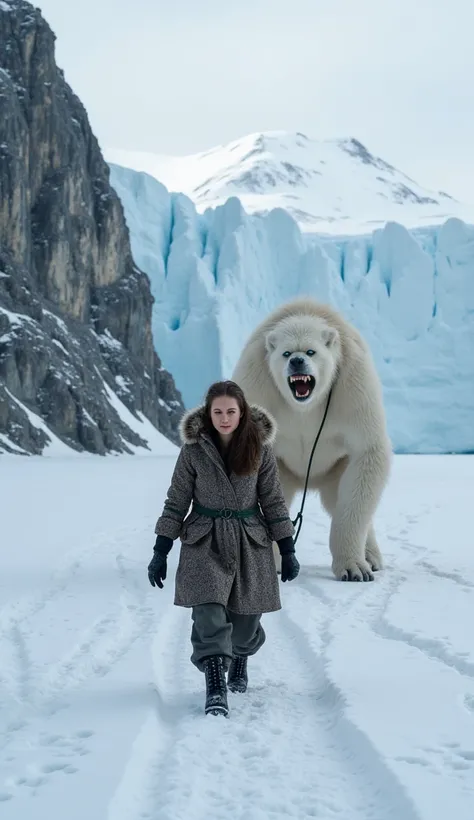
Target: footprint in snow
pixel 415 761
pixel 466 755
pixel 453 756
pixel 50 768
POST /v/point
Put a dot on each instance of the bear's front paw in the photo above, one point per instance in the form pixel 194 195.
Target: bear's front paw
pixel 352 570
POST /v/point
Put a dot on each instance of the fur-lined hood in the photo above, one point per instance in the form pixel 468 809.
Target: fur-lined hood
pixel 191 424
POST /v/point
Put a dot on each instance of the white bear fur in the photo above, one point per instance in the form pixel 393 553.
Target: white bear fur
pixel 352 460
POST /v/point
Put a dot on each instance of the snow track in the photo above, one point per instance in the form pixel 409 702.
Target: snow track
pixel 146 774
pixel 34 693
pixel 360 703
pixel 288 730
pixel 364 786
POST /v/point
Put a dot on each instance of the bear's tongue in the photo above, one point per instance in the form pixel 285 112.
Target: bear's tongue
pixel 301 388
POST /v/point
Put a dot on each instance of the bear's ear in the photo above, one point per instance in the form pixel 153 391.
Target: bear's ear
pixel 329 336
pixel 271 341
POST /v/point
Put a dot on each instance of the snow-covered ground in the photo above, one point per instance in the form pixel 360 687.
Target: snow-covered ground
pixel 360 704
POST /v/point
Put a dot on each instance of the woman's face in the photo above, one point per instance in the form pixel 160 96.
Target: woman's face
pixel 225 415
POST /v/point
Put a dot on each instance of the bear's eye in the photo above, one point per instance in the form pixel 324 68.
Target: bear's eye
pixel 310 352
pixel 287 353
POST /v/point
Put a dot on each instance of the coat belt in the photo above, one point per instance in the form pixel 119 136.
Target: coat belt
pixel 225 512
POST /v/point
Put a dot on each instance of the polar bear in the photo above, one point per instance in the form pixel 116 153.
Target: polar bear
pixel 289 365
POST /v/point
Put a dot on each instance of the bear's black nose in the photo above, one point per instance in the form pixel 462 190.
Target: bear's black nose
pixel 296 361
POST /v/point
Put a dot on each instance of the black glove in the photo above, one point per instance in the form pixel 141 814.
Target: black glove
pixel 289 567
pixel 289 563
pixel 158 565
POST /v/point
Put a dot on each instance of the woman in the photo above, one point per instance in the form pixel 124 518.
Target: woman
pixel 226 571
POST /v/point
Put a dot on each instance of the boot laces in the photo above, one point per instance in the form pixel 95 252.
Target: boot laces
pixel 215 676
pixel 240 663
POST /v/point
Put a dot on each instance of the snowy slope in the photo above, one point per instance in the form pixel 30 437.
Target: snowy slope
pixel 333 186
pixel 215 276
pixel 156 443
pixel 360 703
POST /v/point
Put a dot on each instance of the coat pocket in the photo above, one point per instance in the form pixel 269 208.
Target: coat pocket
pixel 196 529
pixel 257 533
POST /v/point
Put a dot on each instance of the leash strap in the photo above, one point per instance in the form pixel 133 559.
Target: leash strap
pixel 299 518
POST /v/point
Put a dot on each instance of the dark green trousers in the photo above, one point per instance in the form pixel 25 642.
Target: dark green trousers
pixel 217 630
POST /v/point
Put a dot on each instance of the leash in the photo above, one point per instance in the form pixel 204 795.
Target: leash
pixel 299 517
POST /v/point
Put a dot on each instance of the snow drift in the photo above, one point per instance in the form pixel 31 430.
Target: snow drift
pixel 215 275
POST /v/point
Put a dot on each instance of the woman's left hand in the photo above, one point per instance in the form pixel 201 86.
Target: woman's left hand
pixel 289 566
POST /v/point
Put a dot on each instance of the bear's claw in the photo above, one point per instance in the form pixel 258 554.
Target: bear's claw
pixel 355 571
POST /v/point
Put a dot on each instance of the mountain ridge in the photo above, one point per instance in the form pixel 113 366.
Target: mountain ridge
pixel 333 186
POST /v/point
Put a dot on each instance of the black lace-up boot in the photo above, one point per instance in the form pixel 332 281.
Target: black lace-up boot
pixel 237 677
pixel 216 687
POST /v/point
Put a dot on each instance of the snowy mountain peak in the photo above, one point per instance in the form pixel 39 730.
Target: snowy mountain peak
pixel 328 186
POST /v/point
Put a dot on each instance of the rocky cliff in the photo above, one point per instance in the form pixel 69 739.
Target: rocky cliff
pixel 75 311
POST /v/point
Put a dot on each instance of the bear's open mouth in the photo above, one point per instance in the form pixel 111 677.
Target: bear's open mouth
pixel 301 386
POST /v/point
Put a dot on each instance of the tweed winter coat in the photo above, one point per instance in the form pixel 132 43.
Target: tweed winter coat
pixel 225 560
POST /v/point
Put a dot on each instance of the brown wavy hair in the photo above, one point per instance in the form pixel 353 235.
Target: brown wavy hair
pixel 244 451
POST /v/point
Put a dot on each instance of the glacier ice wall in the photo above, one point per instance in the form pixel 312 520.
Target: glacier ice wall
pixel 411 293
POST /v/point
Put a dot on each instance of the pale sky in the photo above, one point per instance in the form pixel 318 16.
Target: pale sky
pixel 185 75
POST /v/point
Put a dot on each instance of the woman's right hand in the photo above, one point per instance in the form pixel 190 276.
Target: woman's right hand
pixel 157 570
pixel 158 565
